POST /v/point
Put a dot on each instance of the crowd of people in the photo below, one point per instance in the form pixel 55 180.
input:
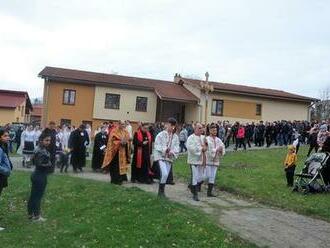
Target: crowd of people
pixel 149 152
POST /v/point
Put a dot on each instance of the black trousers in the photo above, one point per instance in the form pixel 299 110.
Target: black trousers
pixel 269 141
pixel 248 141
pixel 115 176
pixel 289 172
pixel 240 141
pixel 39 183
pixel 182 146
pixel 311 147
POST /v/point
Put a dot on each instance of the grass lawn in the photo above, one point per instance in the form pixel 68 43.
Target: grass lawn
pixel 259 175
pixel 86 213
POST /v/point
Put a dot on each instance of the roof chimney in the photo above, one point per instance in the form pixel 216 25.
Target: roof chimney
pixel 177 78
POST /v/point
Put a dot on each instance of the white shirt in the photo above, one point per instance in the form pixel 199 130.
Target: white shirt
pixel 195 146
pixel 28 136
pixel 213 143
pixel 59 138
pixel 165 141
pixel 130 131
pixel 37 134
pixel 65 138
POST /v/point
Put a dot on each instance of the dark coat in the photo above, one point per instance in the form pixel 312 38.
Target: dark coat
pixel 78 141
pixel 100 140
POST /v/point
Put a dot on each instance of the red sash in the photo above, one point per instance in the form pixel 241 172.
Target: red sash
pixel 139 148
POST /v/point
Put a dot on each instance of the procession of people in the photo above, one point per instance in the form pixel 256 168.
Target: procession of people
pixel 150 152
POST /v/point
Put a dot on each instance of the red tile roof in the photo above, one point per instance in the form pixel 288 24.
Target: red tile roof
pixel 37 110
pixel 249 90
pixel 166 90
pixel 12 99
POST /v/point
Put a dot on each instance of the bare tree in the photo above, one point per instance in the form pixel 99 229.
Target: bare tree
pixel 322 108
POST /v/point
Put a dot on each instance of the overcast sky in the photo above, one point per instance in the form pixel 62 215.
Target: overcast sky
pixel 280 44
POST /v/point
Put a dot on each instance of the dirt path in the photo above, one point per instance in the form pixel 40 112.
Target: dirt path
pixel 257 223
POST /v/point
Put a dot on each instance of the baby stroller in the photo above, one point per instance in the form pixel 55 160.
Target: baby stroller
pixel 311 179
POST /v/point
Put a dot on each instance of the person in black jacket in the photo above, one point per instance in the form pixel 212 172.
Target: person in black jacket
pixel 78 142
pixel 100 143
pixel 5 163
pixel 269 134
pixel 313 145
pixel 43 166
pixel 51 132
pixel 326 169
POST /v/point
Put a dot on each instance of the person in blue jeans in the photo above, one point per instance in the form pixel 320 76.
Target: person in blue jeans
pixel 43 166
pixel 5 164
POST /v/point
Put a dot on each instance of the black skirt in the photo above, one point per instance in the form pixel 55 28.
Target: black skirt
pixel 28 147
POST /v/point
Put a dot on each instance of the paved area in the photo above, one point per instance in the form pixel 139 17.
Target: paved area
pixel 260 224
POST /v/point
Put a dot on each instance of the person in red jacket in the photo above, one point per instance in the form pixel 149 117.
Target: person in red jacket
pixel 240 137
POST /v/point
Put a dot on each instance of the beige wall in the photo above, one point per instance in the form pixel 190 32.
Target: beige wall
pixel 6 116
pixel 19 114
pixel 272 110
pixel 126 109
pixel 277 110
pixel 9 115
pixel 192 112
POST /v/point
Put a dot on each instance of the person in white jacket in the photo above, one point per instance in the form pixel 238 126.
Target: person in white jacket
pixel 166 150
pixel 28 142
pixel 196 158
pixel 65 137
pixel 215 149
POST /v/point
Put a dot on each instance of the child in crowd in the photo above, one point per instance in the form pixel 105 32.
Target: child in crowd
pixel 64 160
pixel 290 165
pixel 43 167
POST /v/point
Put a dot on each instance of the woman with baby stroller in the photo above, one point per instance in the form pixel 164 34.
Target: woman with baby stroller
pixel 315 176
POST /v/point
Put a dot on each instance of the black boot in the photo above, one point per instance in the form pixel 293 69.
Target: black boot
pixel 161 190
pixel 199 186
pixel 195 193
pixel 209 190
pixel 190 187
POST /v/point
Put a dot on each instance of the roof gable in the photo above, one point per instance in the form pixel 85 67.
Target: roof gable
pixel 12 99
pixel 166 90
pixel 250 90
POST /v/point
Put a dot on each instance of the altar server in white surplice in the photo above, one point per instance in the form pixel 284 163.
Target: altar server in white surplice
pixel 166 150
pixel 215 150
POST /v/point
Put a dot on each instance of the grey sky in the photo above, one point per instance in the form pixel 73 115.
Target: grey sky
pixel 281 44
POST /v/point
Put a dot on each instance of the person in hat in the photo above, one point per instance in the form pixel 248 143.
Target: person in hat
pixel 322 135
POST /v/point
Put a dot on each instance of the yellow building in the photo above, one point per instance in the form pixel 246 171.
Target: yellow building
pixel 15 107
pixel 75 97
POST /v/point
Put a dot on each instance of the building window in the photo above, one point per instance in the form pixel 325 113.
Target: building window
pixel 112 101
pixel 66 122
pixel 69 97
pixel 217 107
pixel 258 109
pixel 141 104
